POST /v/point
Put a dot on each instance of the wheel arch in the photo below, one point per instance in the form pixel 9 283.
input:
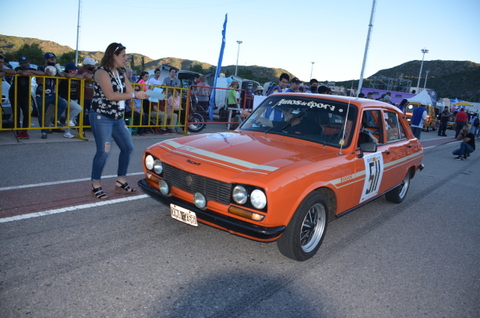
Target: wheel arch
pixel 331 201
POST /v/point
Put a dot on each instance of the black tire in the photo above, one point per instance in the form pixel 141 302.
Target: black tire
pixel 398 194
pixel 193 120
pixel 306 230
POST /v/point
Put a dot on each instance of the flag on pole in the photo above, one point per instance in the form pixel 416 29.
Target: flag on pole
pixel 217 72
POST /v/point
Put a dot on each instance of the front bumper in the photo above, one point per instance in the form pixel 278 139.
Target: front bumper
pixel 236 226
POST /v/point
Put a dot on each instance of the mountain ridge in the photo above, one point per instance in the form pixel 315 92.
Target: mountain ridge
pixel 453 79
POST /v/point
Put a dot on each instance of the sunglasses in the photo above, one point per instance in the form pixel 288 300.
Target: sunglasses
pixel 119 47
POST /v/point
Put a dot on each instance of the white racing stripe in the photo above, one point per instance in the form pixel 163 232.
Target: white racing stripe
pixel 71 208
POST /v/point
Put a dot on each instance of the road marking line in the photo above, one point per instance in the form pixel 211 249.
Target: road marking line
pixel 60 182
pixel 71 208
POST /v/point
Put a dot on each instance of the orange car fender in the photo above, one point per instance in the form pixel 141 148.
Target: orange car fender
pixel 283 202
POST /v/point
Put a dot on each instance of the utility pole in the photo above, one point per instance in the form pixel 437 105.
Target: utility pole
pixel 78 32
pixel 370 26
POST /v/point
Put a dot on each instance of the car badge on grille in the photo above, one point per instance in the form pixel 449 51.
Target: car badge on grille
pixel 189 180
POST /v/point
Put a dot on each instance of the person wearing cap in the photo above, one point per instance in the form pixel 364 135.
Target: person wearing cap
pixel 48 102
pixel 259 91
pixel 87 71
pixel 294 84
pixel 72 97
pixel 21 100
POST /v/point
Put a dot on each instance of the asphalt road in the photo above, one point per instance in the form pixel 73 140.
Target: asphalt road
pixel 128 258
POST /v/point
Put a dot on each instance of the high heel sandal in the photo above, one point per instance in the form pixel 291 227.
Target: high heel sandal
pixel 98 192
pixel 120 187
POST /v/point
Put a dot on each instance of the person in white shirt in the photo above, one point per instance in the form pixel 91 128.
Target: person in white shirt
pixel 155 80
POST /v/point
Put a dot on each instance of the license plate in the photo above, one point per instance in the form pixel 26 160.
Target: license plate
pixel 183 215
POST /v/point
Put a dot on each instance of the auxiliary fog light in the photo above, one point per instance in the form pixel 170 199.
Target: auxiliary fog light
pixel 199 200
pixel 164 187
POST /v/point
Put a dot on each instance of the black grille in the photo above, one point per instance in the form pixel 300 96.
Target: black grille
pixel 214 190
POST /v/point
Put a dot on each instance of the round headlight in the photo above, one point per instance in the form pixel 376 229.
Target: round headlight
pixel 199 200
pixel 157 167
pixel 164 187
pixel 258 199
pixel 239 194
pixel 149 162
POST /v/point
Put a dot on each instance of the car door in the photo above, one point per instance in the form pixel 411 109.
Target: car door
pixel 372 164
pixel 397 149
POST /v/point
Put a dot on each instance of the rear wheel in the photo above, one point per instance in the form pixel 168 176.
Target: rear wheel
pixel 398 194
pixel 306 230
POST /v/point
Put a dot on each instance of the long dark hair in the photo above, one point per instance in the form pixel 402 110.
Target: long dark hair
pixel 141 75
pixel 107 59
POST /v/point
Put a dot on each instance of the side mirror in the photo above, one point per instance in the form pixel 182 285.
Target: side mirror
pixel 367 147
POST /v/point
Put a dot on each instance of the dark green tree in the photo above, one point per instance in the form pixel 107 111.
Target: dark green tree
pixel 197 68
pixel 66 57
pixel 132 62
pixel 33 52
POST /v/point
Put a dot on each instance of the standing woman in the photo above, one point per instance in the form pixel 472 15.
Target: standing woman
pixel 111 88
pixel 142 81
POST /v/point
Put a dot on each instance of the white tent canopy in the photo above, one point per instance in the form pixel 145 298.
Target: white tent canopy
pixel 421 98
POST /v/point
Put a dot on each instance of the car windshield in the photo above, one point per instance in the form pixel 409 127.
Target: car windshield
pixel 328 122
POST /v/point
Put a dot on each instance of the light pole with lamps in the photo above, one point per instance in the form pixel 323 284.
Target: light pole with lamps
pixel 238 52
pixel 311 72
pixel 421 66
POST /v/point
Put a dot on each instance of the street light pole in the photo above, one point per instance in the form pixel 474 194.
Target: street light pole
pixel 311 72
pixel 421 67
pixel 238 53
pixel 78 32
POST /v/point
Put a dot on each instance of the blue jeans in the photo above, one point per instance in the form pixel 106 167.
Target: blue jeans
pixel 104 129
pixel 463 150
pixel 62 105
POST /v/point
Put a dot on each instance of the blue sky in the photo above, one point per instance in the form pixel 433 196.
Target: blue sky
pixel 281 34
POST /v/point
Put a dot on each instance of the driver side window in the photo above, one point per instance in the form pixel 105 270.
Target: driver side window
pixel 371 129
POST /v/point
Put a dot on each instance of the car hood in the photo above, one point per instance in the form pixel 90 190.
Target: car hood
pixel 240 152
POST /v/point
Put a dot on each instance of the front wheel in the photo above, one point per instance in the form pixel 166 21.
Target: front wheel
pixel 398 194
pixel 306 230
pixel 194 120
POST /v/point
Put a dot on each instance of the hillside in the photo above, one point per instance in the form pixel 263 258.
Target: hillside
pixel 453 79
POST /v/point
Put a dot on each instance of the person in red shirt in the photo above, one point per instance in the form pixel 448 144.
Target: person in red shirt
pixel 460 121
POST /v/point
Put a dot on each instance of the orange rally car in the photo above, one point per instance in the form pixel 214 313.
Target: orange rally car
pixel 297 162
